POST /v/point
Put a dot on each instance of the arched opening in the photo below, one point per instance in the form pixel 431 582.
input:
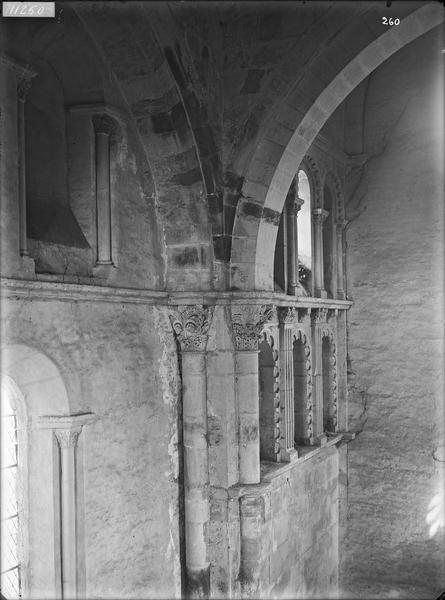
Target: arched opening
pixel 327 372
pixel 304 232
pixel 328 244
pixel 32 387
pixel 281 249
pixel 266 387
pixel 12 489
pixel 293 247
pixel 300 391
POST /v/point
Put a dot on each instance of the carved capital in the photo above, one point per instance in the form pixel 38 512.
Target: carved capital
pixel 23 87
pixel 67 438
pixel 319 215
pixel 191 325
pixel 298 203
pixel 288 315
pixel 248 322
pixel 103 124
pixel 319 315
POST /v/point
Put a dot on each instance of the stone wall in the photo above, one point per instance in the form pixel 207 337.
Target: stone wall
pixel 118 361
pixel 395 255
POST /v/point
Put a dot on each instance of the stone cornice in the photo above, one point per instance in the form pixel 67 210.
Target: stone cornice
pixel 92 292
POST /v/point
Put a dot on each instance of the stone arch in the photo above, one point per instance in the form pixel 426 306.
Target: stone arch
pixel 303 406
pixel 42 392
pixel 332 180
pixel 255 270
pixel 312 170
pixel 269 390
pixel 37 378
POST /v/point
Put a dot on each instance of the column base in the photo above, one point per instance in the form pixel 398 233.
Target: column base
pixel 198 583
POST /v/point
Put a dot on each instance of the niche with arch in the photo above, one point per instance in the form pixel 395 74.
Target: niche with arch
pixel 329 245
pixel 303 417
pixel 269 400
pixel 293 247
pixel 329 382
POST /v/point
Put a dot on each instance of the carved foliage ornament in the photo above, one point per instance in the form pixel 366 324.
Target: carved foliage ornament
pixel 23 87
pixel 191 325
pixel 104 124
pixel 248 322
pixel 67 438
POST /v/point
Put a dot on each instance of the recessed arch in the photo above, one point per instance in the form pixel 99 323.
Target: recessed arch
pixel 255 270
pixel 38 379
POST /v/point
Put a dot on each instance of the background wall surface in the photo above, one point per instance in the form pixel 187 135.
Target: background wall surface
pixel 395 256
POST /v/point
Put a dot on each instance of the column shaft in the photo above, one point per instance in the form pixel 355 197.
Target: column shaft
pixel 247 392
pixel 287 383
pixel 68 514
pixel 22 178
pixel 103 198
pixel 318 217
pixel 292 247
pixel 340 269
pixel 196 471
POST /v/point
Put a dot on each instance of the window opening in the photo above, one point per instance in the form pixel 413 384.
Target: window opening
pixel 10 492
pixel 304 233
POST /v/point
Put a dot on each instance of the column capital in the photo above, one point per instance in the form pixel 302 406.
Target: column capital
pixel 298 203
pixel 319 215
pixel 67 438
pixel 319 315
pixel 191 325
pixel 103 124
pixel 248 321
pixel 23 87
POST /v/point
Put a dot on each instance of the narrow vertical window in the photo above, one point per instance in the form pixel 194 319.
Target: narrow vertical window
pixel 328 245
pixel 304 233
pixel 10 517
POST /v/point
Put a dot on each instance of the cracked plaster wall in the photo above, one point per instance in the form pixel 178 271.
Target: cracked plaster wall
pixel 395 249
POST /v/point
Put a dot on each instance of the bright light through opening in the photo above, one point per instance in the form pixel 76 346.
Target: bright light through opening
pixel 304 222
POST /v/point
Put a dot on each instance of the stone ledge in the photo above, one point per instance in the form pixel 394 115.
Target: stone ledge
pixel 73 288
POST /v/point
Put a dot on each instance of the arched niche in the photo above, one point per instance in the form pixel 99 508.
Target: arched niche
pixel 269 403
pixel 38 379
pixel 38 390
pixel 303 410
pixel 329 382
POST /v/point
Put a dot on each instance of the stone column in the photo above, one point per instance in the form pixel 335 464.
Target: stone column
pixel 247 322
pixel 15 82
pixel 318 216
pixel 287 317
pixel 293 206
pixel 191 325
pixel 103 127
pixel 66 431
pixel 22 92
pixel 341 292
